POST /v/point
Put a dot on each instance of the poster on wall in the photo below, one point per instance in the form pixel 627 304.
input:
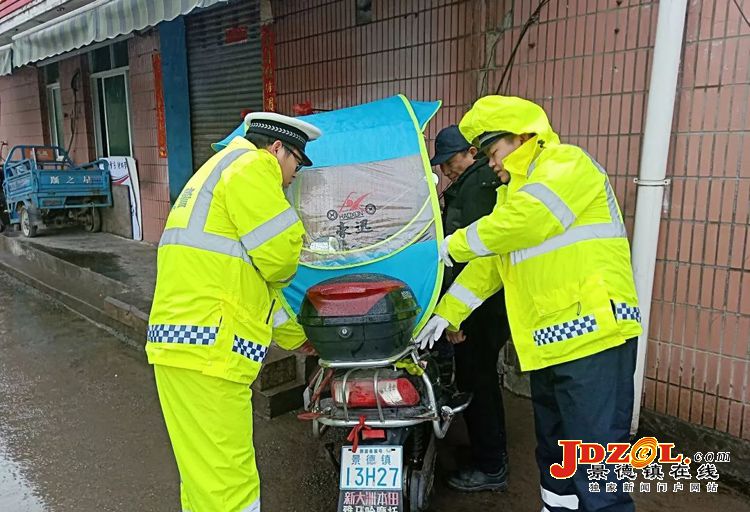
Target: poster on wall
pixel 123 172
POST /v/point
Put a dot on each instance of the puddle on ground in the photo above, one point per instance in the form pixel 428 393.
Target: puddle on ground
pixel 16 493
pixel 100 262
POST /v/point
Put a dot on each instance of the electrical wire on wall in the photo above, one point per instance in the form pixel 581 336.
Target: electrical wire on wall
pixel 490 58
pixel 534 18
pixel 505 77
pixel 75 83
pixel 742 13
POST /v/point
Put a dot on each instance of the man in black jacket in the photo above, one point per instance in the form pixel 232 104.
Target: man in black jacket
pixel 472 195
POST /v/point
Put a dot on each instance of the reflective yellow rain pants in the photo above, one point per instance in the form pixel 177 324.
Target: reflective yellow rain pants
pixel 210 424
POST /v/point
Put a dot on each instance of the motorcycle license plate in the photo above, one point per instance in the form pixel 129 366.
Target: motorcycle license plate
pixel 372 468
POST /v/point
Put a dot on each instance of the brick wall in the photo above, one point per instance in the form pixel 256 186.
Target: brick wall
pixel 425 50
pixel 587 62
pixel 699 355
pixel 23 108
pixel 21 120
pixel 152 170
pixel 9 7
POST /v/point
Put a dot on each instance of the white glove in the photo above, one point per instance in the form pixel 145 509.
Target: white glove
pixel 431 332
pixel 444 254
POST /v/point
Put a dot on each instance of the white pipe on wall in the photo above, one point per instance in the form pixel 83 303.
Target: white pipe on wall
pixel 651 182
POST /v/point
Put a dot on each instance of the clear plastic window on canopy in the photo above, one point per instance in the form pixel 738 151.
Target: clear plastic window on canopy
pixel 362 212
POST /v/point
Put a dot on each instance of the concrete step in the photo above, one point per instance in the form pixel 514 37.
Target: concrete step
pixel 127 314
pixel 70 286
pixel 278 400
pixel 280 367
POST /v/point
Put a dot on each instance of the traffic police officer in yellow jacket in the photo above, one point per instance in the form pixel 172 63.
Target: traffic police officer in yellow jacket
pixel 231 241
pixel 557 243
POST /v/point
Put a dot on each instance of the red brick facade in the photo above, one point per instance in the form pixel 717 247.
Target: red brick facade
pixel 425 50
pixel 21 120
pixel 588 64
pixel 152 169
pixel 699 367
pixel 8 7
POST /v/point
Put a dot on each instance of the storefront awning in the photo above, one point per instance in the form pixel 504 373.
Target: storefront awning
pixel 5 61
pixel 93 23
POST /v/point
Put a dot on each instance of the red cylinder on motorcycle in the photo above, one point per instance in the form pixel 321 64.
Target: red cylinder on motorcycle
pixel 363 390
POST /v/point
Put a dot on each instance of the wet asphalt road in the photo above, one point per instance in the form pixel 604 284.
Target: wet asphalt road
pixel 81 430
pixel 78 412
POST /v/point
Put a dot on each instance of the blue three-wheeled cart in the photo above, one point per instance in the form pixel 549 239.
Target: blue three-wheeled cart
pixel 44 188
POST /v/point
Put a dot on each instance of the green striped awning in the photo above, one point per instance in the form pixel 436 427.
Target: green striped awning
pixel 93 23
pixel 5 61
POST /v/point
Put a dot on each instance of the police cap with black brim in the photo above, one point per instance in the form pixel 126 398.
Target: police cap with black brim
pixel 289 130
pixel 487 139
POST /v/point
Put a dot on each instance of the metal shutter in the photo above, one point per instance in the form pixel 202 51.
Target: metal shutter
pixel 225 77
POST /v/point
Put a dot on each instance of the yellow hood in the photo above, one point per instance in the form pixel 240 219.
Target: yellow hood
pixel 509 114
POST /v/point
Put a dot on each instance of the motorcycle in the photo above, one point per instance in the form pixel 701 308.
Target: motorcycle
pixel 383 402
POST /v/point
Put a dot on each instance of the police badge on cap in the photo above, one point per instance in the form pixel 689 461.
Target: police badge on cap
pixel 289 130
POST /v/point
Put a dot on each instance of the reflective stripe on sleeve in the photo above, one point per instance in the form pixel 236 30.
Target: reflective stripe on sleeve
pixel 269 229
pixel 475 243
pixel 465 295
